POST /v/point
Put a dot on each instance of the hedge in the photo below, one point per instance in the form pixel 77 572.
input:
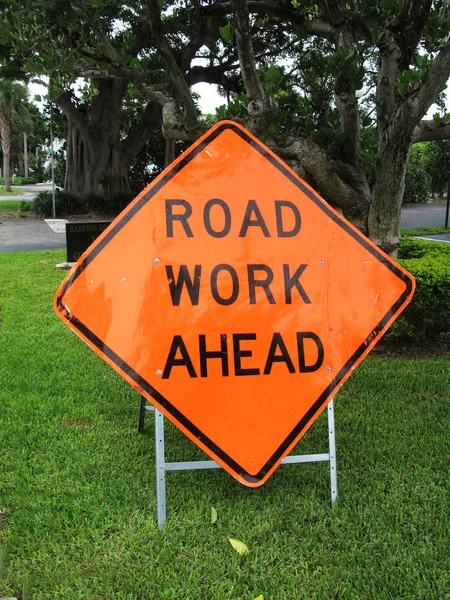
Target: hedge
pixel 73 204
pixel 20 180
pixel 427 317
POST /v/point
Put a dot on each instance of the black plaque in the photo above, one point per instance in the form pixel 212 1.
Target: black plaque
pixel 80 235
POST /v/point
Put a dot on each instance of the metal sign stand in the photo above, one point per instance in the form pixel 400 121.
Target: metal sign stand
pixel 162 466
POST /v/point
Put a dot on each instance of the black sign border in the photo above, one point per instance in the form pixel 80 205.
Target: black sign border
pixel 149 389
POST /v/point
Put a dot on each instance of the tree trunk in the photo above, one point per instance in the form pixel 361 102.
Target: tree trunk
pixel 25 155
pixel 170 152
pixel 6 172
pixel 5 137
pixel 95 166
pixel 339 183
pixel 96 162
pixel 387 193
pixel 98 158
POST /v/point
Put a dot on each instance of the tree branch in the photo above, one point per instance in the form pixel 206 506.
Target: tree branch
pixel 434 82
pixel 65 103
pixel 347 104
pixel 386 78
pixel 175 74
pixel 245 52
pixel 397 45
pixel 408 29
pixel 260 106
pixel 141 132
pixel 189 53
pixel 430 131
pixel 117 72
pixel 142 34
pixel 172 127
pixel 108 48
pixel 317 27
pixel 101 58
pixel 215 75
pixel 338 182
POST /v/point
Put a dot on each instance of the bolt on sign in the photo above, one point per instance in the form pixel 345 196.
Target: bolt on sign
pixel 234 299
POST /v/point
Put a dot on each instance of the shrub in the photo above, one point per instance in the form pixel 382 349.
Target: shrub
pixel 416 248
pixel 73 204
pixel 107 206
pixel 427 317
pixel 20 181
pixel 65 204
pixel 27 181
pixel 26 206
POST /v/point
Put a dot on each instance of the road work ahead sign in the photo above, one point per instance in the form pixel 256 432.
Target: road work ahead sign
pixel 235 299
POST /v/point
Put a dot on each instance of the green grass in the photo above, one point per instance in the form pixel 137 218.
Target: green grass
pixel 426 230
pixel 13 192
pixel 77 483
pixel 10 206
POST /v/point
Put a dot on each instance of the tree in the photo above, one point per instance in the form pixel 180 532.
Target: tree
pixel 292 71
pixel 372 46
pixel 70 40
pixel 13 112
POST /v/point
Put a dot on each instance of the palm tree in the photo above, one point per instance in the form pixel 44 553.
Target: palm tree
pixel 13 113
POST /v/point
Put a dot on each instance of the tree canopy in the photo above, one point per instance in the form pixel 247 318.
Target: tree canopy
pixel 338 88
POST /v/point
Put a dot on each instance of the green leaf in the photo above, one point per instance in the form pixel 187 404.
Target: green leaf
pixel 146 63
pixel 31 66
pixel 240 547
pixel 213 514
pixel 5 32
pixel 402 88
pixel 260 597
pixel 226 32
pixel 161 4
pixel 38 98
pixel 437 118
pixel 272 129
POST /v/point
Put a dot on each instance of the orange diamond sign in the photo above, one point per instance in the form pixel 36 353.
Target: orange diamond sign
pixel 235 299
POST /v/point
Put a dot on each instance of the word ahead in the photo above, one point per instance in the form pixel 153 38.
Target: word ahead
pixel 277 353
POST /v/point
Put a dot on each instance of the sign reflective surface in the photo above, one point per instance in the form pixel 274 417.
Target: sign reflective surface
pixel 235 299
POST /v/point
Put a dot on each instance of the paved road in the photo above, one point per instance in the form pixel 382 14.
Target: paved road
pixel 35 234
pixel 422 215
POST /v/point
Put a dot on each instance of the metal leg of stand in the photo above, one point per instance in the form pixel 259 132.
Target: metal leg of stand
pixel 332 445
pixel 162 466
pixel 141 421
pixel 160 469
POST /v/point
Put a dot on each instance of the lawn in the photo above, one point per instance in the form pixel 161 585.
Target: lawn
pixel 426 230
pixel 11 209
pixel 77 495
pixel 13 192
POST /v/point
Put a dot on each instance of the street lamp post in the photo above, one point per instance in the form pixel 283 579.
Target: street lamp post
pixel 53 162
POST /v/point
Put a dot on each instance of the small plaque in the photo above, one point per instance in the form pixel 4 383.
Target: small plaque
pixel 80 235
